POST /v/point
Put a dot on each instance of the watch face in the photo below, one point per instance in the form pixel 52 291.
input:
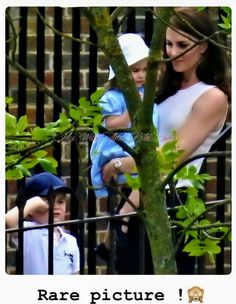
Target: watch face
pixel 117 164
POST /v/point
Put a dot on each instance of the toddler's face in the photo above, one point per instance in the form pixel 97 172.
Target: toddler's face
pixel 138 71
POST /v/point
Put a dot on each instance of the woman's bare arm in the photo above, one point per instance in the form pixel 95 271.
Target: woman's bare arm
pixel 207 115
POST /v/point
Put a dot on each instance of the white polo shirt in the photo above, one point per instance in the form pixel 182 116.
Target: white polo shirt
pixel 66 252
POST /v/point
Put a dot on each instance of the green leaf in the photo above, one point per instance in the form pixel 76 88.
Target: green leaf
pixel 182 212
pixel 24 170
pixel 227 9
pixel 195 206
pixel 10 122
pixel 192 192
pixel 182 173
pixel 194 248
pixel 222 230
pixel 40 153
pixel 168 146
pixel 75 112
pixel 197 184
pixel 201 8
pixel 211 257
pixel 133 181
pixel 14 173
pixel 53 161
pixel 226 23
pixel 212 246
pixel 22 124
pixel 95 97
pixel 64 123
pixel 29 162
pixel 98 119
pixel 192 170
pixel 47 165
pixel 198 247
pixel 205 177
pixel 84 103
pixel 204 222
pixel 192 233
pixel 8 100
pixel 38 134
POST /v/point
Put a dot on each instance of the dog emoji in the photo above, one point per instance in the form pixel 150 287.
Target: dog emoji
pixel 195 294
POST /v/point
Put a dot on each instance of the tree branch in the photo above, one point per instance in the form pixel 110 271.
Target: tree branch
pixel 38 83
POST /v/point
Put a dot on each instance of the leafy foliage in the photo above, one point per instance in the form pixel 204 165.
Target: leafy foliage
pixel 190 217
pixel 28 146
pixel 226 24
pixel 88 112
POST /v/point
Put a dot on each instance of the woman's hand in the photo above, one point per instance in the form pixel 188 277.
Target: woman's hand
pixel 127 165
pixel 109 171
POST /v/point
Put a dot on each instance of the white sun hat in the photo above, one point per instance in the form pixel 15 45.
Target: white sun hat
pixel 133 48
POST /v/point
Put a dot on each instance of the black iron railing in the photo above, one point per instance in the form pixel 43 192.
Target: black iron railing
pixel 77 224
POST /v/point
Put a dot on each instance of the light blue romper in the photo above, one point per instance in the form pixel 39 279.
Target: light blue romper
pixel 103 148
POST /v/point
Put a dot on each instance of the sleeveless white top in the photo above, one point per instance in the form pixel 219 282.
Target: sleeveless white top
pixel 173 113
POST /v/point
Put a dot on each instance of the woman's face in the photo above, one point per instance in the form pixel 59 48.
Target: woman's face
pixel 177 44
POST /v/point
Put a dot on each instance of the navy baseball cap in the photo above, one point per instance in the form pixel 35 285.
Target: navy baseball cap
pixel 39 185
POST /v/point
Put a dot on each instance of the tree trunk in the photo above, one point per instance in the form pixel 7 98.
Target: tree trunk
pixel 157 222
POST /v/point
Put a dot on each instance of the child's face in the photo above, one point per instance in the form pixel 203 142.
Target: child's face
pixel 138 71
pixel 59 210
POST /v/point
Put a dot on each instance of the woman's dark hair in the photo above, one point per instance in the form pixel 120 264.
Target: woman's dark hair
pixel 214 68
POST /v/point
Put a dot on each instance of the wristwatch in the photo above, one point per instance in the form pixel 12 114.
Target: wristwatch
pixel 117 164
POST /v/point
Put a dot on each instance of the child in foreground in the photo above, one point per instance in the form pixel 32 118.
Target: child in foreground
pixel 66 257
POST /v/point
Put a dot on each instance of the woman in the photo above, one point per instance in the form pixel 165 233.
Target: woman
pixel 193 92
